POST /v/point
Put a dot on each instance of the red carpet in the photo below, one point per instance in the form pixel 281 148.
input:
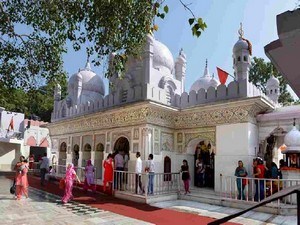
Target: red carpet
pixel 127 208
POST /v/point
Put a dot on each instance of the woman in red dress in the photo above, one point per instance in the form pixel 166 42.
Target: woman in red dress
pixel 108 172
pixel 21 178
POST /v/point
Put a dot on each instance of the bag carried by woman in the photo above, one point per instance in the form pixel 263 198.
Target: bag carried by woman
pixel 12 189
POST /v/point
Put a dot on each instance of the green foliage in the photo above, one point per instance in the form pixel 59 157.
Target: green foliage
pixel 34 101
pixel 259 74
pixel 33 34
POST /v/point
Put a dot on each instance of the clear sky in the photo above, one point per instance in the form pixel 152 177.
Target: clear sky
pixel 223 19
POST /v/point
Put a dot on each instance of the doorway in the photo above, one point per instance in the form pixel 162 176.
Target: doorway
pixel 99 156
pixel 204 166
pixel 122 144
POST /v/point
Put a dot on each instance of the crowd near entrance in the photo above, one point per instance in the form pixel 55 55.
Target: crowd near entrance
pixel 204 165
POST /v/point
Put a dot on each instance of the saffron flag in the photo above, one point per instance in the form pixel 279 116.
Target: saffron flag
pixel 11 124
pixel 223 75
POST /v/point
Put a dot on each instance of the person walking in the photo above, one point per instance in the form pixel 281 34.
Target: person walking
pixel 185 176
pixel 138 174
pixel 151 170
pixel 89 177
pixel 21 180
pixel 241 172
pixel 259 172
pixel 108 166
pixel 69 181
pixel 44 168
pixel 119 166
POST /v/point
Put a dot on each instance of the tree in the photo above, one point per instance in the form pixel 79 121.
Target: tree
pixel 259 74
pixel 33 34
pixel 32 102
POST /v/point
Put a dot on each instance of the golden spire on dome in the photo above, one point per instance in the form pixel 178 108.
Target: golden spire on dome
pixel 241 31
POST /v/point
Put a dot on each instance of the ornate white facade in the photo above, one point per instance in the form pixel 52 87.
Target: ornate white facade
pixel 149 110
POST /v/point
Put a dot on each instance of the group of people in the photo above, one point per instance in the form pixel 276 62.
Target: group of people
pixel 120 162
pixel 260 171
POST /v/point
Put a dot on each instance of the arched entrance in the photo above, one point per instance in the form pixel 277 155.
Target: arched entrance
pixel 86 154
pixel 99 156
pixel 75 155
pixel 167 168
pixel 122 144
pixel 204 165
pixel 62 158
pixel 62 154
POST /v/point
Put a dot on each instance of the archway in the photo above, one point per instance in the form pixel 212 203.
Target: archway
pixel 204 172
pixel 122 144
pixel 86 154
pixel 167 168
pixel 62 154
pixel 75 155
pixel 99 156
pixel 62 157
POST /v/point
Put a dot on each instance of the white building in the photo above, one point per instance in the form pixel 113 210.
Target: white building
pixel 149 111
pixel 21 137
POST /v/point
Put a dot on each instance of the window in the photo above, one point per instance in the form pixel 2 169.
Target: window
pixel 245 58
pixel 271 91
pixel 239 59
pixel 275 91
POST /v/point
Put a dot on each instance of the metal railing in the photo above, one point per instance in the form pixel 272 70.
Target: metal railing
pixel 256 189
pixel 162 183
pixel 60 172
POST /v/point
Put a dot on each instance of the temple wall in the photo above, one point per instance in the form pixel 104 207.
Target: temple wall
pixel 234 90
pixel 234 142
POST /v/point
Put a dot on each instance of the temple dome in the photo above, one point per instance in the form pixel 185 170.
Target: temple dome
pixel 241 44
pixel 292 141
pixel 90 80
pixel 203 82
pixel 273 81
pixel 162 57
pixel 214 82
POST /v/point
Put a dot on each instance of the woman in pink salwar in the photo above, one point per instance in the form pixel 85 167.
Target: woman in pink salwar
pixel 69 180
pixel 21 178
pixel 89 177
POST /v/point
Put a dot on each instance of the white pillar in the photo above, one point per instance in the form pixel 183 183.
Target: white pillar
pixel 146 142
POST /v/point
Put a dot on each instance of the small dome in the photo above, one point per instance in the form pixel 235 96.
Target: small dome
pixel 90 80
pixel 202 82
pixel 162 57
pixel 214 82
pixel 292 141
pixel 273 81
pixel 241 44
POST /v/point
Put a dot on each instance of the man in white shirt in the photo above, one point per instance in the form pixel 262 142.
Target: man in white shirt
pixel 138 173
pixel 150 169
pixel 44 167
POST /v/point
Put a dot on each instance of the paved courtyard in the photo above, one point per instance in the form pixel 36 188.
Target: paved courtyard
pixel 45 208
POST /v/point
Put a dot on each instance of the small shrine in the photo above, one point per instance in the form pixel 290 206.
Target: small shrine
pixel 292 153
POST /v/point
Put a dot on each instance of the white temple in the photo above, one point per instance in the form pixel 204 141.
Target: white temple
pixel 148 110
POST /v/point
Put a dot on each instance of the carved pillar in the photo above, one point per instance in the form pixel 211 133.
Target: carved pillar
pixel 93 149
pixel 80 153
pixel 146 142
